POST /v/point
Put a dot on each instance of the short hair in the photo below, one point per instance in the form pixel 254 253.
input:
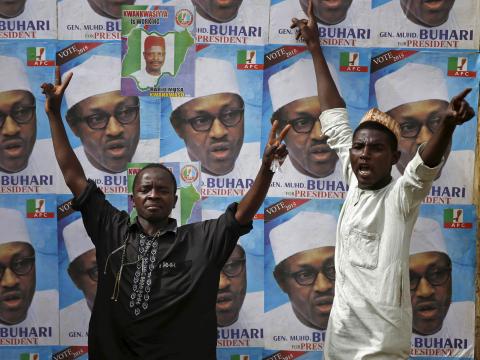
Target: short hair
pixel 156 166
pixel 377 126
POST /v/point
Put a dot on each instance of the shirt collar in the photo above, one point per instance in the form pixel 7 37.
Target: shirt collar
pixel 171 226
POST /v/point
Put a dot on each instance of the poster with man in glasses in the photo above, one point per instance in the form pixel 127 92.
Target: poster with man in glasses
pixel 312 168
pixel 414 88
pixel 442 282
pixel 28 270
pixel 299 271
pixel 27 161
pixel 219 127
pixel 106 129
pixel 78 271
pixel 239 304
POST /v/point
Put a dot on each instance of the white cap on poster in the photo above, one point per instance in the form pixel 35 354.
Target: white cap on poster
pixel 212 76
pixel 412 82
pixel 13 227
pixel 305 231
pixel 76 239
pixel 13 75
pixel 97 75
pixel 296 82
pixel 427 236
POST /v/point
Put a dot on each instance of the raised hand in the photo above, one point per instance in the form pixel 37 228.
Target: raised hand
pixel 459 110
pixel 307 29
pixel 54 93
pixel 275 149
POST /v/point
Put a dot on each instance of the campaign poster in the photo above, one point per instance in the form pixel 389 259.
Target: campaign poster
pixel 299 272
pixel 69 353
pixel 29 292
pixel 28 19
pixel 234 22
pixel 78 272
pixel 311 169
pixel 446 24
pixel 158 52
pixel 26 353
pixel 188 208
pixel 27 160
pixel 93 20
pixel 106 129
pixel 344 23
pixel 442 282
pixel 415 88
pixel 220 127
pixel 239 305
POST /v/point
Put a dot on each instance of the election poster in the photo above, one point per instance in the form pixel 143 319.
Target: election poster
pixel 29 291
pixel 446 24
pixel 27 160
pixel 220 126
pixel 105 128
pixel 311 169
pixel 296 315
pixel 415 88
pixel 158 53
pixel 342 23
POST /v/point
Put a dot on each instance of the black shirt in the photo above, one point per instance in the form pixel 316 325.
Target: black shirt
pixel 165 304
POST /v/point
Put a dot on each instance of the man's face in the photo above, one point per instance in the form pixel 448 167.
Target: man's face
pixel 84 273
pixel 217 10
pixel 216 148
pixel 110 8
pixel 430 302
pixel 418 120
pixel 11 8
pixel 154 59
pixel 19 129
pixel 112 147
pixel 371 158
pixel 312 301
pixel 428 13
pixel 231 288
pixel 328 12
pixel 153 194
pixel 308 151
pixel 16 290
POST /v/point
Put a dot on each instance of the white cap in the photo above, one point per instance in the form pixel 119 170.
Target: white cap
pixel 296 82
pixel 77 241
pixel 412 82
pixel 98 75
pixel 427 236
pixel 305 231
pixel 13 227
pixel 212 76
pixel 13 74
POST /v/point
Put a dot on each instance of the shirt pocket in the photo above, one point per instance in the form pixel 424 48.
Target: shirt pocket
pixel 175 275
pixel 364 248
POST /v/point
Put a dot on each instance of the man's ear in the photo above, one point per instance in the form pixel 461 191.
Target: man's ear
pixel 175 202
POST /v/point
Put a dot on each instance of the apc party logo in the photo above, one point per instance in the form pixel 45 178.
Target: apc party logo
pixel 458 67
pixel 453 219
pixel 36 209
pixel 350 62
pixel 247 60
pixel 189 173
pixel 37 56
pixel 29 356
pixel 184 18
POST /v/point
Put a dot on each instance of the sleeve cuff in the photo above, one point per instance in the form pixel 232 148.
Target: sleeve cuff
pixel 423 171
pixel 333 117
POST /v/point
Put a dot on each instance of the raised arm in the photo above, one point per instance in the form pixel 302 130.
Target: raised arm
pixel 67 160
pixel 458 112
pixel 328 94
pixel 253 199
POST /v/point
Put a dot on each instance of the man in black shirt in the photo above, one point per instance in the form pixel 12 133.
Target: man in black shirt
pixel 157 283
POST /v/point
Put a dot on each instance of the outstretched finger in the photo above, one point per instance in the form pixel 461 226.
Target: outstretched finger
pixel 310 13
pixel 283 133
pixel 67 81
pixel 58 79
pixel 458 98
pixel 273 133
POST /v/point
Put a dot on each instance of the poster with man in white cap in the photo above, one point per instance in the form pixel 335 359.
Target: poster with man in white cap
pixel 414 88
pixel 26 151
pixel 299 272
pixel 106 129
pixel 220 126
pixel 340 23
pixel 28 271
pixel 28 19
pixel 92 19
pixel 158 52
pixel 239 304
pixel 311 169
pixel 445 24
pixel 235 22
pixel 442 282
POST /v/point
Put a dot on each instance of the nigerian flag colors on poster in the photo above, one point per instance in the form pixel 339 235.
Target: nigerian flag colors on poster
pixel 29 356
pixel 240 357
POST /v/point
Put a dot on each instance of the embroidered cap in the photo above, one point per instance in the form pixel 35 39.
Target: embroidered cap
pixel 379 117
